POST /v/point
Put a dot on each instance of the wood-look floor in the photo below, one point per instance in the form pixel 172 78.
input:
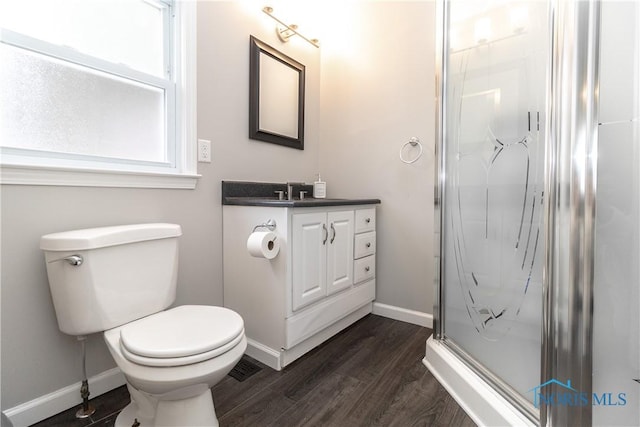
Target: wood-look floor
pixel 371 374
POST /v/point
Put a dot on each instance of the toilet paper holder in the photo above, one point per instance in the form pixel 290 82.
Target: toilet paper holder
pixel 270 224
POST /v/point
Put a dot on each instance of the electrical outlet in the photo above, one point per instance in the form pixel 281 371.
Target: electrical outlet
pixel 204 151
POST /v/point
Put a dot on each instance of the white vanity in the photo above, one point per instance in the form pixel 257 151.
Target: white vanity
pixel 321 281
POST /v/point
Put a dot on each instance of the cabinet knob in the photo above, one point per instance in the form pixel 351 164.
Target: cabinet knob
pixel 368 220
pixel 367 268
pixel 368 244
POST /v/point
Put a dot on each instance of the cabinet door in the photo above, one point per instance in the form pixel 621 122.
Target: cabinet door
pixel 339 251
pixel 310 238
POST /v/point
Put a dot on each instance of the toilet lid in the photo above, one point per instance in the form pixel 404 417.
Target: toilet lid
pixel 182 332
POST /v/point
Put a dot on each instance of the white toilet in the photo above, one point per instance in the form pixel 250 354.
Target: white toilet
pixel 120 280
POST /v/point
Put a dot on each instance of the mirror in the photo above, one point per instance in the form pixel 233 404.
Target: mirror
pixel 276 96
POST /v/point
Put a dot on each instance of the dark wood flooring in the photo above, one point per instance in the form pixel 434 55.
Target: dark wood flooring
pixel 371 374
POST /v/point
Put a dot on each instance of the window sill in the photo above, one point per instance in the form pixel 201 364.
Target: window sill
pixel 81 177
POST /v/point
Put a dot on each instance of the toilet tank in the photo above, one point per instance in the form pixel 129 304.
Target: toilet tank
pixel 105 277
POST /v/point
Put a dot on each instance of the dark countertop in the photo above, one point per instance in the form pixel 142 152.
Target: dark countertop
pixel 241 193
pixel 306 203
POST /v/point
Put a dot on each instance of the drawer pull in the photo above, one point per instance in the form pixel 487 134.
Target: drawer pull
pixel 368 220
pixel 368 244
pixel 367 268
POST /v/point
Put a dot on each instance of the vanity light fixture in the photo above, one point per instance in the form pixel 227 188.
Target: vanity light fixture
pixel 285 31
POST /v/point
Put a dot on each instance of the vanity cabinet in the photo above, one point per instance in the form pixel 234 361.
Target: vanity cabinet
pixel 322 255
pixel 321 281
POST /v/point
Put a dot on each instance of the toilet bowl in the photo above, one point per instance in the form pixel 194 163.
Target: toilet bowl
pixel 120 281
pixel 171 360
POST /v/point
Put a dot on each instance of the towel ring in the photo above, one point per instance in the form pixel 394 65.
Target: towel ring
pixel 413 141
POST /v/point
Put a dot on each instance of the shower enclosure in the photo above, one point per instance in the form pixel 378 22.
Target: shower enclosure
pixel 538 209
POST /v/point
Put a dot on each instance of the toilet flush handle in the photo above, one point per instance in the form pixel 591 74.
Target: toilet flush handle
pixel 75 260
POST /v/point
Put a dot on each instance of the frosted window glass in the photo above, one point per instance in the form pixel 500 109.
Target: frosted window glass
pixel 494 151
pixel 55 106
pixel 126 31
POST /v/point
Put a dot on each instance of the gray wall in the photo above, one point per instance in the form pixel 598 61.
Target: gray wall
pixel 362 108
pixel 371 104
pixel 37 358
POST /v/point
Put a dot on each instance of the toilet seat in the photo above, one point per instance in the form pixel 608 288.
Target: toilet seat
pixel 181 336
pixel 180 361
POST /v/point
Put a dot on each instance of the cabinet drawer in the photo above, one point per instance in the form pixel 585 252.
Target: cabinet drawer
pixel 365 220
pixel 364 245
pixel 364 268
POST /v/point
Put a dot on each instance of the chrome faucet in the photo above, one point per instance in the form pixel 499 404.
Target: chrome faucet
pixel 290 189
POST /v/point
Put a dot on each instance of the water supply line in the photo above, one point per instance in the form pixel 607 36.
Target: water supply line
pixel 86 410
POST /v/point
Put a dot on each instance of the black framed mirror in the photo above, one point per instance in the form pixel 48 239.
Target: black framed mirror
pixel 276 96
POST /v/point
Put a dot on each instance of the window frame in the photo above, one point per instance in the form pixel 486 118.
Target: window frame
pixel 34 167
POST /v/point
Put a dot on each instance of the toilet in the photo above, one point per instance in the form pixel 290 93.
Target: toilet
pixel 120 281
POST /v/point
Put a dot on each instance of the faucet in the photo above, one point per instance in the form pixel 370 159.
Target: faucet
pixel 290 189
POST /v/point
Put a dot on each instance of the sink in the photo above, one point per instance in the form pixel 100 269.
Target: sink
pixel 263 194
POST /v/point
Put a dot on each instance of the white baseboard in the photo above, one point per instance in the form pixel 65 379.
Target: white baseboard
pixel 405 315
pixel 263 354
pixel 50 404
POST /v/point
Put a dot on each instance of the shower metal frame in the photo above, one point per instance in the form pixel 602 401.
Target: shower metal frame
pixel 571 142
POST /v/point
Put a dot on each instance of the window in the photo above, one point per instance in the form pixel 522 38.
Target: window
pixel 98 92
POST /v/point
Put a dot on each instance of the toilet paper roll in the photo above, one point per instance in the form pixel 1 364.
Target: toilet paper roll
pixel 263 244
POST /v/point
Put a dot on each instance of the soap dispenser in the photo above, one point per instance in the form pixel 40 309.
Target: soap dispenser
pixel 319 189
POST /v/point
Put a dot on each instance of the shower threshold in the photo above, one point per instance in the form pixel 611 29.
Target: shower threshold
pixel 484 405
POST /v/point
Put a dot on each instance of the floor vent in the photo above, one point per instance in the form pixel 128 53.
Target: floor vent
pixel 244 369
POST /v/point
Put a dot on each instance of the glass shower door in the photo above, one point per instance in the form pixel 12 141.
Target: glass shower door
pixel 616 317
pixel 493 147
